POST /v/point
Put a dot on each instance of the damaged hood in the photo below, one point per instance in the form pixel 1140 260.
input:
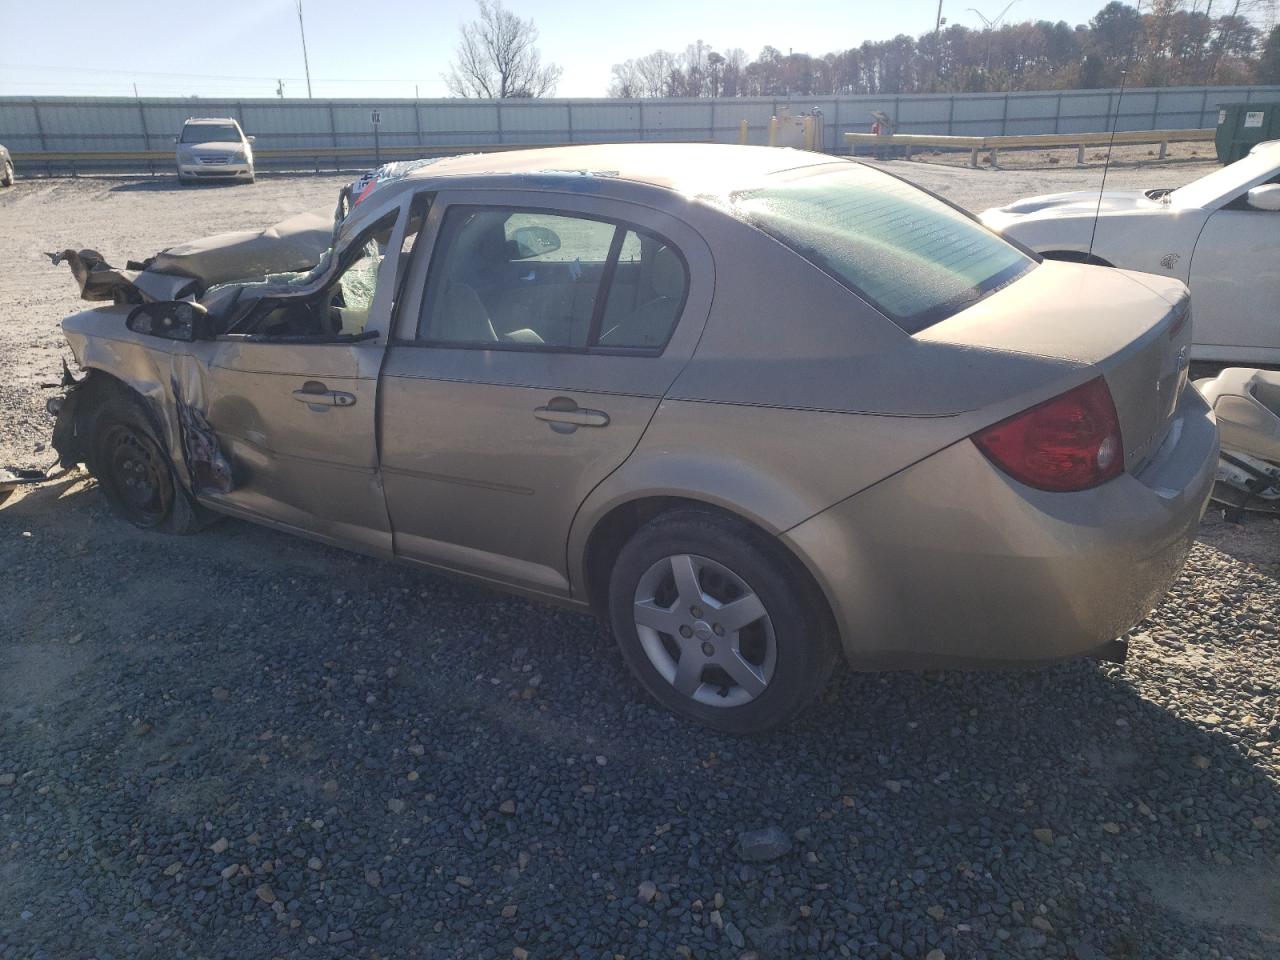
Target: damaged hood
pixel 290 246
pixel 188 269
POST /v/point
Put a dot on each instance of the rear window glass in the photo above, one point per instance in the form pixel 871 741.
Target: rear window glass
pixel 913 257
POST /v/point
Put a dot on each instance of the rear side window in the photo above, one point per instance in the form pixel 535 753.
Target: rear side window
pixel 910 255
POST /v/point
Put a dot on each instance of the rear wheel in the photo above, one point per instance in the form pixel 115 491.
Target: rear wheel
pixel 719 623
pixel 133 469
pixel 6 175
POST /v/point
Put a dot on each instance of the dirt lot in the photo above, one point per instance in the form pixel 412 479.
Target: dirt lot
pixel 243 744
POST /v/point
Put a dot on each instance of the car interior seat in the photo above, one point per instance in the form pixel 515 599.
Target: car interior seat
pixel 462 317
pixel 651 322
pixel 1247 405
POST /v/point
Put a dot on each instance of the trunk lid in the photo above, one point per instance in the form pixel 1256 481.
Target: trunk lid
pixel 1133 328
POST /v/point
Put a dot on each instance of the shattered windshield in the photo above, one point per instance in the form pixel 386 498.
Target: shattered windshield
pixel 210 133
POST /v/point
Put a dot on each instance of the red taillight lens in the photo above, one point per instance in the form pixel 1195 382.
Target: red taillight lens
pixel 1071 442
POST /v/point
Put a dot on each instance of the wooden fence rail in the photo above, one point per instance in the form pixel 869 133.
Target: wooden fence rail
pixel 976 145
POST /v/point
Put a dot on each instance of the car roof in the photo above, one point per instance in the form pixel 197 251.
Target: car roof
pixel 209 120
pixel 684 167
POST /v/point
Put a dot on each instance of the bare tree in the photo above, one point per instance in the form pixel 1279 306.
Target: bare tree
pixel 1168 42
pixel 496 58
pixel 647 76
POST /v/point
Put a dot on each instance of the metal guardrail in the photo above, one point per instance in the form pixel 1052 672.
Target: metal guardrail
pixel 316 157
pixel 159 159
pixel 976 145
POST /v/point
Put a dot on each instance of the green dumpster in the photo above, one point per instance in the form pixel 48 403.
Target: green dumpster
pixel 1241 125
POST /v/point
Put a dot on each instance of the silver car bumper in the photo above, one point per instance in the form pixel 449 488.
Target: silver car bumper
pixel 215 171
pixel 952 563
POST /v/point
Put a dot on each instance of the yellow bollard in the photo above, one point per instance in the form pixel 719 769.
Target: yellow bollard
pixel 742 133
pixel 808 133
pixel 773 131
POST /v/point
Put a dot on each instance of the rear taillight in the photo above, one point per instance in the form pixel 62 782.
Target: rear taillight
pixel 1071 442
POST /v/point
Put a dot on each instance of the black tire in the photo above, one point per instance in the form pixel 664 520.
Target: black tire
pixel 133 469
pixel 6 178
pixel 795 616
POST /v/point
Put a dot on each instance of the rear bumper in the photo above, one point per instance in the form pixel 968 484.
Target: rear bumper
pixel 952 563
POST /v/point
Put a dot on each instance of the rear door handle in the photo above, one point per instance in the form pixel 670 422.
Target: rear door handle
pixel 316 394
pixel 565 416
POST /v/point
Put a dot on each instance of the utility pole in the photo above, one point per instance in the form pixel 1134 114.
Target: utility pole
pixel 937 47
pixel 280 89
pixel 305 64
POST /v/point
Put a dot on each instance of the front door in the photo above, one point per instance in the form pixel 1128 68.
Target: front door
pixel 292 400
pixel 1235 284
pixel 526 371
pixel 296 425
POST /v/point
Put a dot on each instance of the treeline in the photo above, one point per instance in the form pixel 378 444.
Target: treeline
pixel 1201 42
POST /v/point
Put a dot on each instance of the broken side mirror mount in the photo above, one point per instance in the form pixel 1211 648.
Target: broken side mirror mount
pixel 182 320
pixel 532 241
pixel 1264 197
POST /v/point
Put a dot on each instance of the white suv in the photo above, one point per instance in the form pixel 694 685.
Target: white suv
pixel 214 148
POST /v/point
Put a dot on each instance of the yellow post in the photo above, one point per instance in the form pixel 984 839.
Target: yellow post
pixel 742 133
pixel 773 131
pixel 808 133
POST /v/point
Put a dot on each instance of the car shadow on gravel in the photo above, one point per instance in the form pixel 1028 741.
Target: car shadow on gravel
pixel 168 183
pixel 201 728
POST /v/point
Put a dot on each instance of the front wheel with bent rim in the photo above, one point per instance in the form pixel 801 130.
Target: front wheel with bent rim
pixel 133 469
pixel 719 623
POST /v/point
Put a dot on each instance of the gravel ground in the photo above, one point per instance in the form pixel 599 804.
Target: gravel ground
pixel 245 744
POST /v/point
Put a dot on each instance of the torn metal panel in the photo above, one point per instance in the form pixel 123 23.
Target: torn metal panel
pixel 359 189
pixel 286 249
pixel 98 280
pixel 208 469
pixel 11 478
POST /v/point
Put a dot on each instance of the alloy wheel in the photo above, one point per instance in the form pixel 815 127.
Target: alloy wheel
pixel 705 630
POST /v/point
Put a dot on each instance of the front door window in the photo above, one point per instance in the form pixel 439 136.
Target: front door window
pixel 511 278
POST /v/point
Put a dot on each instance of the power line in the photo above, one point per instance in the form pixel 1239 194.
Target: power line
pixel 59 68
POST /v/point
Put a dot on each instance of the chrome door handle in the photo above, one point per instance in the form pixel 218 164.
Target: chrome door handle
pixel 565 415
pixel 317 395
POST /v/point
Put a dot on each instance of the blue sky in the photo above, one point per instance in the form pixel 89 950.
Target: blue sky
pixel 380 48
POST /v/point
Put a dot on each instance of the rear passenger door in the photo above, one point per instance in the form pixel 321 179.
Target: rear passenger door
pixel 534 346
